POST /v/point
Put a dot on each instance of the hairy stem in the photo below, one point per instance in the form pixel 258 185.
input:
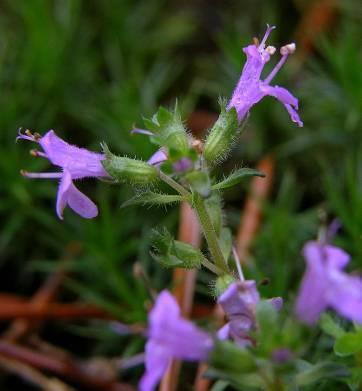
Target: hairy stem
pixel 213 268
pixel 176 186
pixel 209 232
pixel 206 224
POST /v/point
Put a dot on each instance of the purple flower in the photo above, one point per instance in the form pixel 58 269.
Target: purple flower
pixel 281 355
pixel 171 337
pixel 239 303
pixel 76 163
pixel 326 285
pixel 158 158
pixel 250 89
pixel 182 165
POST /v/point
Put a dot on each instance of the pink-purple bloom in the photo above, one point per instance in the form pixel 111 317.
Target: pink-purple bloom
pixel 239 304
pixel 251 89
pixel 171 337
pixel 158 158
pixel 76 163
pixel 182 165
pixel 325 285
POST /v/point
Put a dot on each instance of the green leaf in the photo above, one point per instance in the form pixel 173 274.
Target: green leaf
pixel 234 364
pixel 330 327
pixel 151 198
pixel 348 343
pixel 267 321
pixel 230 357
pixel 163 116
pixel 245 381
pixel 220 385
pixel 321 371
pixel 356 379
pixel 236 177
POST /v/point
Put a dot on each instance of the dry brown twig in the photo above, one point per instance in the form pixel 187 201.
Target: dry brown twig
pixel 33 376
pixel 20 327
pixel 30 314
pixel 97 374
pixel 252 212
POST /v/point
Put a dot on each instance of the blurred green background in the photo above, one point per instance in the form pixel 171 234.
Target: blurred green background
pixel 92 69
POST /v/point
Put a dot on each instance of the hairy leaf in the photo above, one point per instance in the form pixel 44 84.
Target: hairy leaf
pixel 236 177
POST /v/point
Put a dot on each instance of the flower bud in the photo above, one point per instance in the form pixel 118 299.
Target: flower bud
pixel 173 253
pixel 129 170
pixel 168 129
pixel 222 135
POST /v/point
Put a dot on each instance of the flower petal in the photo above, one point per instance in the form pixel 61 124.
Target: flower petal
pixel 276 302
pixel 294 116
pixel 79 162
pixel 311 299
pixel 188 342
pixel 240 298
pixel 255 62
pixel 164 312
pixel 224 332
pixel 289 101
pixel 345 295
pixel 157 158
pixel 181 337
pixel 68 194
pixel 156 361
pixel 317 252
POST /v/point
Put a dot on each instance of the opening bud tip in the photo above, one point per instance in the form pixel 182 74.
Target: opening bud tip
pixel 198 146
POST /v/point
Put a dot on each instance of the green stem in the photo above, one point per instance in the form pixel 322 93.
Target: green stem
pixel 209 232
pixel 206 224
pixel 180 189
pixel 213 268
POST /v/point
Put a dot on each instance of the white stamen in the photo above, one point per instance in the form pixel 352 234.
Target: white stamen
pixel 288 49
pixel 41 175
pixel 270 50
pixel 238 265
pixel 36 153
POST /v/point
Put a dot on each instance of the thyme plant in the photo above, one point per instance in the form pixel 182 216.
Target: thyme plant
pixel 259 346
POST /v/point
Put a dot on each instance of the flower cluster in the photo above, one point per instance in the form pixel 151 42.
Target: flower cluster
pixel 185 165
